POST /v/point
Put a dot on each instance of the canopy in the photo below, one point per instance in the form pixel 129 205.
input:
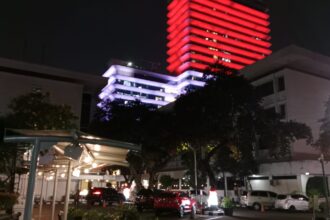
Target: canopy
pixel 70 149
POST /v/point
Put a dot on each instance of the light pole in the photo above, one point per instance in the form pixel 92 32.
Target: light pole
pixel 195 167
pixel 325 186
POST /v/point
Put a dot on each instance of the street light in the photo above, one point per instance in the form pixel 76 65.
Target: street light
pixel 325 186
pixel 195 167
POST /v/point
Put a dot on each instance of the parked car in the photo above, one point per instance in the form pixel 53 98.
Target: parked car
pixel 292 202
pixel 145 199
pixel 256 198
pixel 201 196
pixel 178 202
pixel 101 195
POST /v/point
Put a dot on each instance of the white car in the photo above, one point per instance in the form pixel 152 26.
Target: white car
pixel 292 202
pixel 257 199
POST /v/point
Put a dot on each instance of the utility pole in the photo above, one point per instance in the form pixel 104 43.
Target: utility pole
pixel 195 167
pixel 325 187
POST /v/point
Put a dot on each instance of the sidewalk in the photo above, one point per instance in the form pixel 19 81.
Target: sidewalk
pixel 46 213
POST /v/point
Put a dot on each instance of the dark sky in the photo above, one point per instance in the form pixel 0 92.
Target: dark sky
pixel 83 35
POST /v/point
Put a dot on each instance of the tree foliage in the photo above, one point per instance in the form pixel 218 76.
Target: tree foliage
pixel 225 122
pixel 29 111
pixel 138 124
pixel 35 111
pixel 323 142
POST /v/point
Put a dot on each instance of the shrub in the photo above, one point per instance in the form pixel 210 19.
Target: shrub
pixel 227 203
pixel 74 213
pixel 127 212
pixel 121 212
pixel 7 200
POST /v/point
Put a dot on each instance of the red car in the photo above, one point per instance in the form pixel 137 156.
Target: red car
pixel 178 202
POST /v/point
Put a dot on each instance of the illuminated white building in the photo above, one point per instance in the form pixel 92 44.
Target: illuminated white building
pixel 127 83
pixel 295 83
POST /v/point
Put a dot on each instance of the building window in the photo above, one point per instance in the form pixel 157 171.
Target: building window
pixel 280 84
pixel 265 89
pixel 282 111
pixel 270 111
pixel 127 83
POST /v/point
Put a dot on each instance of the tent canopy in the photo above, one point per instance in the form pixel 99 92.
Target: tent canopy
pixel 85 150
pixel 55 149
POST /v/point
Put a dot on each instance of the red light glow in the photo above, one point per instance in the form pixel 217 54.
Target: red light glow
pixel 205 32
pixel 97 193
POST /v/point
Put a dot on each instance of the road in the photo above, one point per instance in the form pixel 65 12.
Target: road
pixel 241 214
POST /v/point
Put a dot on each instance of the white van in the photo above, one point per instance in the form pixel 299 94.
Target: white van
pixel 256 198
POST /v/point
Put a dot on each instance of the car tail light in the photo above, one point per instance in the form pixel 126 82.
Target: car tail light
pixel 97 193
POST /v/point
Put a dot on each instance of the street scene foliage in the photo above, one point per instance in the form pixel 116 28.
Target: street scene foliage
pixel 323 141
pixel 29 111
pixel 223 122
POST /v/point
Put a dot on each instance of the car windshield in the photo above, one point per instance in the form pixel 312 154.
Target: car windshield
pixel 281 197
pixel 193 192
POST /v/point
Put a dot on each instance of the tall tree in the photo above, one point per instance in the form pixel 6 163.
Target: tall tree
pixel 223 121
pixel 30 111
pixel 138 124
pixel 35 111
pixel 323 142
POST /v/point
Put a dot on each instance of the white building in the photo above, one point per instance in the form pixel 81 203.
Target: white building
pixel 295 82
pixel 130 83
pixel 78 90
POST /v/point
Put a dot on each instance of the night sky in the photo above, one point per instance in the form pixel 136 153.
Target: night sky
pixel 83 35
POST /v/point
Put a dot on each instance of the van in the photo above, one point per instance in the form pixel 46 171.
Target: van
pixel 257 198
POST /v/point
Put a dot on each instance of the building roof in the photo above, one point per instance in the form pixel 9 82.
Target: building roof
pixel 101 151
pixel 47 72
pixel 292 57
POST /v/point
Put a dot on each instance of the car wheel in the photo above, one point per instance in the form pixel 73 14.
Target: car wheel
pixel 256 206
pixel 181 212
pixel 292 208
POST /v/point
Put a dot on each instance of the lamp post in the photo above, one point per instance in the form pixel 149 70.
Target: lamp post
pixel 325 186
pixel 195 167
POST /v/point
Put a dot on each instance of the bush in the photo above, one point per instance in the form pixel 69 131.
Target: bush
pixel 74 213
pixel 121 212
pixel 7 200
pixel 127 212
pixel 227 203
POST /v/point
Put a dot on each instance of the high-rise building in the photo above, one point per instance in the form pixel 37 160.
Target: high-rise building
pixel 233 33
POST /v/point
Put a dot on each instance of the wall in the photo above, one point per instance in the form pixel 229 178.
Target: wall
pixel 306 98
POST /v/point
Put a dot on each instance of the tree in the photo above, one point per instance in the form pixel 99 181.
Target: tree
pixel 224 122
pixel 138 124
pixel 323 142
pixel 30 111
pixel 35 111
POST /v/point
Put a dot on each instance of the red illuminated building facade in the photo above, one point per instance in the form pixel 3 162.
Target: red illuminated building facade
pixel 233 33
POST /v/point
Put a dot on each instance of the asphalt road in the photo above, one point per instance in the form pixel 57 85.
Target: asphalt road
pixel 240 214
